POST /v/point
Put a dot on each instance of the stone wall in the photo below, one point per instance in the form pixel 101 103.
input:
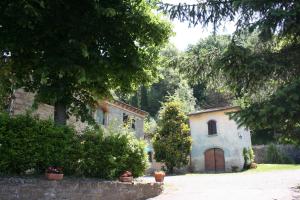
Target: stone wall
pixel 75 189
pixel 260 152
pixel 23 102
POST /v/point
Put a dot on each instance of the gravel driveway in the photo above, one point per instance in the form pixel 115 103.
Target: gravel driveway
pixel 274 185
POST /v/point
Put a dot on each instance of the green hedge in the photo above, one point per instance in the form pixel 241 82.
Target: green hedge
pixel 27 143
pixel 31 144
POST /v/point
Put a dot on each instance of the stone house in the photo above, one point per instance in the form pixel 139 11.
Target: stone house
pixel 106 113
pixel 217 141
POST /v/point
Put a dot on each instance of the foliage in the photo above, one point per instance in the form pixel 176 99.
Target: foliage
pixel 263 74
pixel 275 156
pixel 6 87
pixel 269 17
pixel 149 98
pixel 263 136
pixel 172 143
pixel 27 143
pixel 73 53
pixel 198 62
pixel 107 156
pixel 150 127
pixel 31 144
pixel 175 79
pixel 184 94
pixel 249 156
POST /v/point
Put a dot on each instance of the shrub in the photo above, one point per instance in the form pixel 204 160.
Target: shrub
pixel 31 144
pixel 275 156
pixel 27 143
pixel 172 143
pixel 249 156
pixel 107 156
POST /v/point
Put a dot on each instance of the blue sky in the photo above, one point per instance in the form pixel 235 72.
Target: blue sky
pixel 186 35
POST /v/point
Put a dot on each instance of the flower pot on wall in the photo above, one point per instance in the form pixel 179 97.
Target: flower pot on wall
pixel 126 177
pixel 54 173
pixel 159 176
pixel 55 177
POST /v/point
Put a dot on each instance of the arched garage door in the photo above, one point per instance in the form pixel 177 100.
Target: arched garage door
pixel 214 160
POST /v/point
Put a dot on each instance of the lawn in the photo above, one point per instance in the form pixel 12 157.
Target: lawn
pixel 272 167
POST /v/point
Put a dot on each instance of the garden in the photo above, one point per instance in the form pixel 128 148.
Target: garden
pixel 29 146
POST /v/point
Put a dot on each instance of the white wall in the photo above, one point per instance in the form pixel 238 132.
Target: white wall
pixel 115 114
pixel 227 139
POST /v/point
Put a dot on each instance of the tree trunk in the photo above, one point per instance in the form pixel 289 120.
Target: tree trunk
pixel 60 113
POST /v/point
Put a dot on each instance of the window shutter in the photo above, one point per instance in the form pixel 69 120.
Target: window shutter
pixel 212 127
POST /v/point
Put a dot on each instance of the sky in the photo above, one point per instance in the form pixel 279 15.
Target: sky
pixel 186 35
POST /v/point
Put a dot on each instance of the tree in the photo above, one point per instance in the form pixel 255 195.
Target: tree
pixel 172 143
pixel 265 74
pixel 149 97
pixel 70 54
pixel 197 65
pixel 5 88
pixel 184 94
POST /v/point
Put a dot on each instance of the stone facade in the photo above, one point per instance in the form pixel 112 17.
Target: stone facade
pixel 111 112
pixel 229 138
pixel 75 189
pixel 260 152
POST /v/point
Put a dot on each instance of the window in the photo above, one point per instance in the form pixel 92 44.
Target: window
pixel 133 124
pixel 150 156
pixel 125 119
pixel 212 127
pixel 100 116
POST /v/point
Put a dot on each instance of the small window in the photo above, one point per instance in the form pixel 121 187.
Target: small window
pixel 133 124
pixel 100 116
pixel 212 127
pixel 150 156
pixel 125 118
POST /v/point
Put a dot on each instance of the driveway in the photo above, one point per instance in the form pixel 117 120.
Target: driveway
pixel 274 185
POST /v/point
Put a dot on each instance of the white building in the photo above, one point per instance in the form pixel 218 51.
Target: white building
pixel 218 142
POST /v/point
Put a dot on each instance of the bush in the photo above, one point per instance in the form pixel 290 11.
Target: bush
pixel 249 156
pixel 172 143
pixel 107 156
pixel 31 144
pixel 275 156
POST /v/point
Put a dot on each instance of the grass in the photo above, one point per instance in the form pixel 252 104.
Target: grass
pixel 261 168
pixel 273 167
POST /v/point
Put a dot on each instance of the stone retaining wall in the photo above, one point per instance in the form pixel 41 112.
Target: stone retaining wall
pixel 75 189
pixel 291 151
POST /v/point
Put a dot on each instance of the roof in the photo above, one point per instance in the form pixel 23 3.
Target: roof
pixel 129 107
pixel 214 110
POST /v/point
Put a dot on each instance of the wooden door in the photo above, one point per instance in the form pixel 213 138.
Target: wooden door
pixel 210 165
pixel 214 160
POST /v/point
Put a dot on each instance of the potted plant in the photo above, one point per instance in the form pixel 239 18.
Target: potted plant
pixel 54 173
pixel 159 176
pixel 126 177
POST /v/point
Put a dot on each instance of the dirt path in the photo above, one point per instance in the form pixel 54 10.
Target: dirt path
pixel 275 185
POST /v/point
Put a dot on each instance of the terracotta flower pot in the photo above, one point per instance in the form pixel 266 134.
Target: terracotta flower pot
pixel 128 179
pixel 253 165
pixel 55 177
pixel 159 176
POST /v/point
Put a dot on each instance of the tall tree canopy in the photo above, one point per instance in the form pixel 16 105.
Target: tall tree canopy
pixel 69 52
pixel 263 74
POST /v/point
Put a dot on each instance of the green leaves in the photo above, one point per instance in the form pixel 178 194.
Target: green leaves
pixel 65 48
pixel 27 143
pixel 172 143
